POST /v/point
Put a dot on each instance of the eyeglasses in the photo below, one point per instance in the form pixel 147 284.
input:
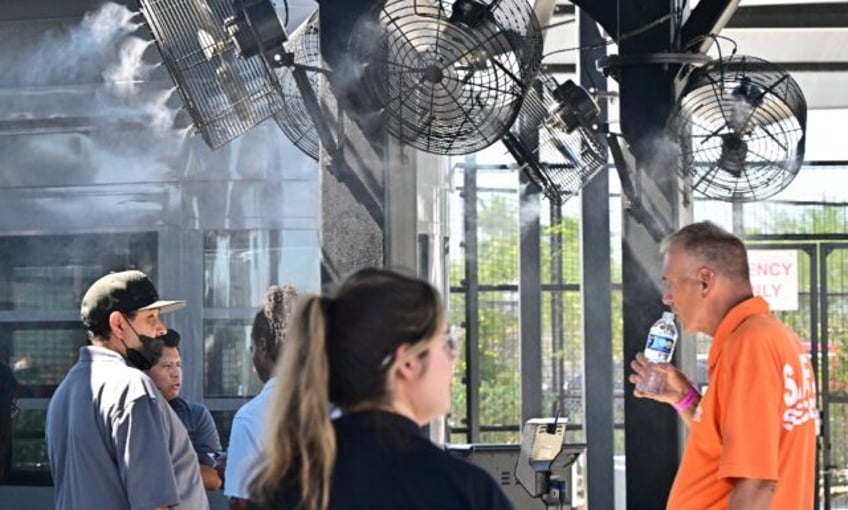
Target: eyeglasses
pixel 452 342
pixel 451 347
pixel 14 409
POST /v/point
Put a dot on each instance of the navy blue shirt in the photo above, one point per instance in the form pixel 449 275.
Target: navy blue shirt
pixel 384 461
pixel 201 428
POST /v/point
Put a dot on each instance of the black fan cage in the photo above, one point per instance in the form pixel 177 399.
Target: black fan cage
pixel 224 94
pixel 449 77
pixel 294 118
pixel 741 126
pixel 558 161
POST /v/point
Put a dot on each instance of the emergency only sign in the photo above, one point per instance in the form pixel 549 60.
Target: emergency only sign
pixel 774 276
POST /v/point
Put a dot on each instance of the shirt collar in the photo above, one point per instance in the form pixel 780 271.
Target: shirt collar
pixel 380 418
pixel 96 353
pixel 270 383
pixel 732 320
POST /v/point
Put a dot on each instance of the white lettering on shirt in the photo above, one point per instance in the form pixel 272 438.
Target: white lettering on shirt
pixel 799 396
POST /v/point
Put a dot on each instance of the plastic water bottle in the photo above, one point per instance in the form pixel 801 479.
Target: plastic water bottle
pixel 658 349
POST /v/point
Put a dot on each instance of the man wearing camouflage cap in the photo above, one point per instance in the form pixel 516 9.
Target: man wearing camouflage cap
pixel 112 439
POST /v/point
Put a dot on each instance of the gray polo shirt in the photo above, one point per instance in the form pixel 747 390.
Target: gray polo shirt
pixel 115 443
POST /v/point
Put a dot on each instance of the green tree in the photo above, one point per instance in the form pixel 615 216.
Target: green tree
pixel 498 261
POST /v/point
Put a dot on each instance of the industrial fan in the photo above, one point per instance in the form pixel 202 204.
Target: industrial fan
pixel 741 124
pixel 222 54
pixel 555 140
pixel 222 70
pixel 294 118
pixel 447 77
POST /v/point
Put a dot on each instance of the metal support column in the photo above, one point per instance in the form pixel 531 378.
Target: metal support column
pixel 400 195
pixel 597 306
pixel 647 96
pixel 472 326
pixel 530 294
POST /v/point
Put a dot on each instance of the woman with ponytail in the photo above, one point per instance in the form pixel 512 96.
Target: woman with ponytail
pixel 380 350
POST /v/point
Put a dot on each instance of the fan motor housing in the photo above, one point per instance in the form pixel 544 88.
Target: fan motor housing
pixel 255 29
pixel 582 111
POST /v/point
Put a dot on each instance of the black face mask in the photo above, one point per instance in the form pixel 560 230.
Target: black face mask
pixel 149 354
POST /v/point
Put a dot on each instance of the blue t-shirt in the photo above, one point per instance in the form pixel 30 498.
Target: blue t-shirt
pixel 201 428
pixel 384 461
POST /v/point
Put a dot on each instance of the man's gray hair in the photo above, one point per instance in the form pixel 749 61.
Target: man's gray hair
pixel 722 251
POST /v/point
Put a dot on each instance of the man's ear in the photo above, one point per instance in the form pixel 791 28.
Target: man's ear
pixel 707 277
pixel 116 323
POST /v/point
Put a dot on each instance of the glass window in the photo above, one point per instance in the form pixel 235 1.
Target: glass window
pixel 41 354
pixel 28 459
pixel 228 366
pixel 238 267
pixel 53 272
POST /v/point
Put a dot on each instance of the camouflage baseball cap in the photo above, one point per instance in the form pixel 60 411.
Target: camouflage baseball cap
pixel 126 291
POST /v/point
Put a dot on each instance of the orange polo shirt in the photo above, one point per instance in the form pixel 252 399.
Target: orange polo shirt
pixel 758 418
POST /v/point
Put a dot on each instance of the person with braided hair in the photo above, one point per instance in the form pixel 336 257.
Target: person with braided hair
pixel 380 349
pixel 266 338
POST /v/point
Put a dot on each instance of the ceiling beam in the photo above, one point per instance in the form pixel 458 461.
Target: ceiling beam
pixel 821 15
pixel 708 17
pixel 800 15
pixel 813 67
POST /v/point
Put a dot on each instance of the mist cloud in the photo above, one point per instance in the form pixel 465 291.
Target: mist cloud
pixel 96 70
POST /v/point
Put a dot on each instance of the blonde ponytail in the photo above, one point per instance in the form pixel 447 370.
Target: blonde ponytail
pixel 300 443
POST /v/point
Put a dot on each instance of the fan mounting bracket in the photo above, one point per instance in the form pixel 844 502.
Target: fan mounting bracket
pixel 639 207
pixel 611 64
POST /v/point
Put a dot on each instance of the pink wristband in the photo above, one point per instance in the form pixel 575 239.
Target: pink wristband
pixel 688 399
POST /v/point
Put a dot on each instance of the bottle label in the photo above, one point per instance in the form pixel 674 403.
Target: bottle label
pixel 659 348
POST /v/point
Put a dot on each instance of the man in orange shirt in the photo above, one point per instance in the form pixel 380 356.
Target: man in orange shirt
pixel 752 442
